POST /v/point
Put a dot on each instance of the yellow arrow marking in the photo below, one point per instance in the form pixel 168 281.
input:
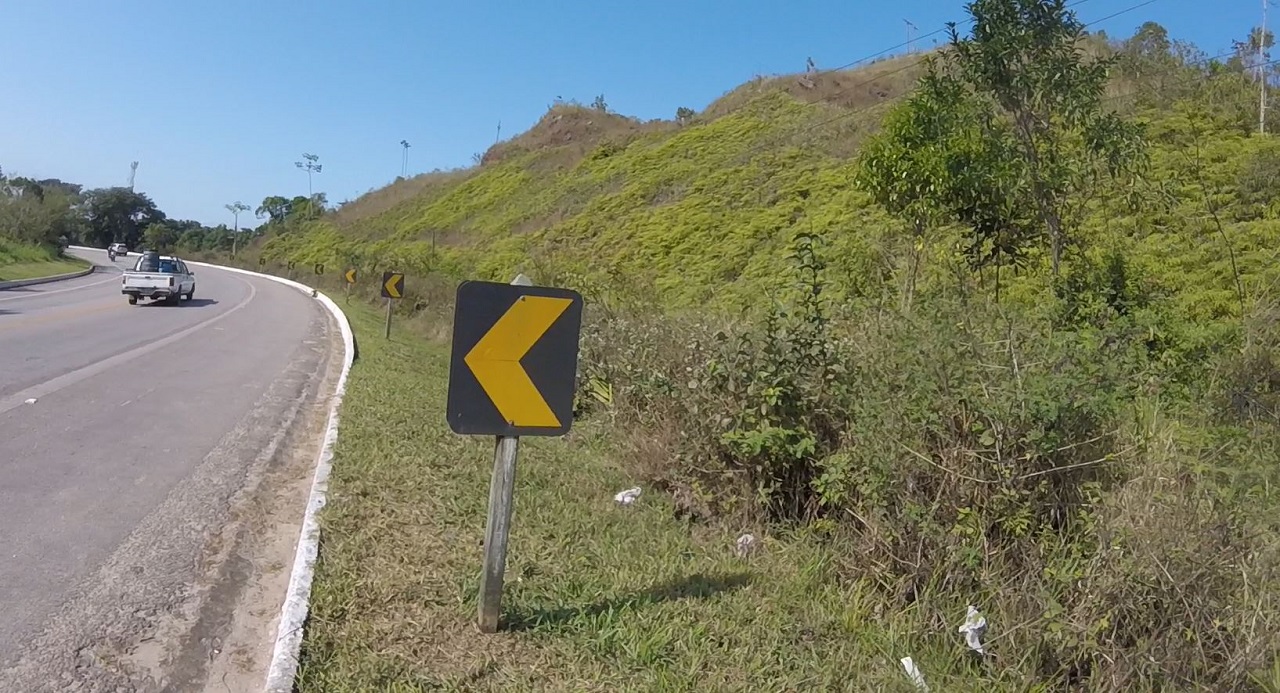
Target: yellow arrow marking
pixel 351 276
pixel 495 360
pixel 391 285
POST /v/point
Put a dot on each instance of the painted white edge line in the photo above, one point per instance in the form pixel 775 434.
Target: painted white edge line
pixel 293 613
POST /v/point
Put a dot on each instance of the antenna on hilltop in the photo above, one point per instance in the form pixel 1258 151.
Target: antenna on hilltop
pixel 910 29
pixel 133 172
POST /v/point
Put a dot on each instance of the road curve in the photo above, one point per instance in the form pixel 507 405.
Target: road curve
pixel 131 440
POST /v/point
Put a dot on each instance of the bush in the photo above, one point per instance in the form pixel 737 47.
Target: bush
pixel 968 452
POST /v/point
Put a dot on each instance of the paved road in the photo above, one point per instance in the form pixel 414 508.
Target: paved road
pixel 117 482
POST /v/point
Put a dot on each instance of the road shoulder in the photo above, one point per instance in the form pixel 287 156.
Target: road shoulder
pixel 268 539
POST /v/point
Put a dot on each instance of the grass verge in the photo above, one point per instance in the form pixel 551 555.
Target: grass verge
pixel 599 596
pixel 20 261
pixel 36 270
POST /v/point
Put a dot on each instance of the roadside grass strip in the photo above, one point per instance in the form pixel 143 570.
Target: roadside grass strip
pixel 18 271
pixel 599 595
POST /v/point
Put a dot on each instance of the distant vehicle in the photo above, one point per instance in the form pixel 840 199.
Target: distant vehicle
pixel 118 248
pixel 158 277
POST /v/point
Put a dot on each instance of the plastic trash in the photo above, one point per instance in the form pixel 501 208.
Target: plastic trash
pixel 914 674
pixel 628 496
pixel 973 628
pixel 31 401
pixel 745 545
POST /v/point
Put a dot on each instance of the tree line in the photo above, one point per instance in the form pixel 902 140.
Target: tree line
pixel 54 213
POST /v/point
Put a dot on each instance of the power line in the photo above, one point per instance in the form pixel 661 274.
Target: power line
pixel 1105 99
pixel 850 113
pixel 913 39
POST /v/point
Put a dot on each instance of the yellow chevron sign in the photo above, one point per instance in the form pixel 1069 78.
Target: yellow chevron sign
pixel 515 356
pixel 393 284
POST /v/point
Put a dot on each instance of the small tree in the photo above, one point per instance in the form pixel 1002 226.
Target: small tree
pixel 1006 134
pixel 941 159
pixel 1023 60
pixel 684 115
pixel 600 105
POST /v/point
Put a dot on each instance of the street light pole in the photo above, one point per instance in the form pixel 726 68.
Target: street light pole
pixel 236 208
pixel 311 166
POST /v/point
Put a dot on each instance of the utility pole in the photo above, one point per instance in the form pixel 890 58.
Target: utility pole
pixel 133 172
pixel 310 167
pixel 1262 72
pixel 404 159
pixel 236 208
pixel 910 36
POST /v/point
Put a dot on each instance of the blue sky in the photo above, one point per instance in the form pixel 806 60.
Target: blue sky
pixel 218 99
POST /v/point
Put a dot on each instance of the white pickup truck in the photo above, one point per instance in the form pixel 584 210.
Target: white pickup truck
pixel 157 276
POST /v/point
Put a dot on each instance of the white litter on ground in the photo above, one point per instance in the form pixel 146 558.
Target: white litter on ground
pixel 628 496
pixel 914 673
pixel 746 544
pixel 31 401
pixel 973 628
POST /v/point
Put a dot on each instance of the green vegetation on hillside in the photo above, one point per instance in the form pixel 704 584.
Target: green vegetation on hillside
pixel 995 326
pixel 34 216
pixel 28 261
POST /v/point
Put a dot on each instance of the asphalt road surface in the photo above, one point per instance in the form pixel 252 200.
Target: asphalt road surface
pixel 128 437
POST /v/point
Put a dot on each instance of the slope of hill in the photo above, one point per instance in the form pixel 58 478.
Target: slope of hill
pixel 697 212
pixel 691 209
pixel 1088 454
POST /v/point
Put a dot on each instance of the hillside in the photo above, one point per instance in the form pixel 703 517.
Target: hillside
pixel 944 338
pixel 693 212
pixel 641 202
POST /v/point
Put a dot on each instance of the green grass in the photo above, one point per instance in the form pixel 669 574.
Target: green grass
pixel 599 596
pixel 21 261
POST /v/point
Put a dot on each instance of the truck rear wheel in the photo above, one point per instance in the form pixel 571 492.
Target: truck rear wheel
pixel 133 300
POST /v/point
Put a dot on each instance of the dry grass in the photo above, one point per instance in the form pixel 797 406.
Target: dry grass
pixel 385 199
pixel 857 88
pixel 574 131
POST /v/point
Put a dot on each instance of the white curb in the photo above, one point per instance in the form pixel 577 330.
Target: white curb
pixel 284 656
